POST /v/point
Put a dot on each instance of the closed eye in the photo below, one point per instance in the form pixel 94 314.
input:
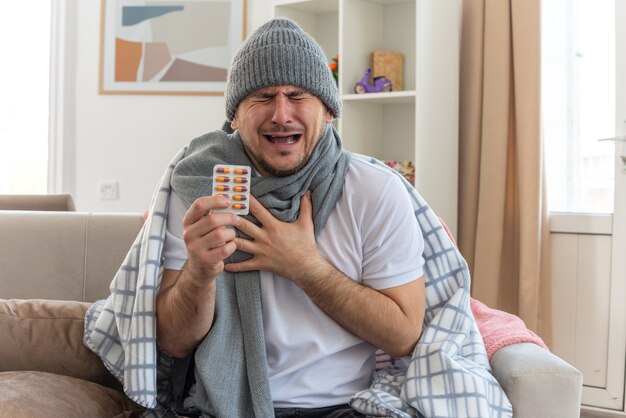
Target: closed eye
pixel 261 99
pixel 297 93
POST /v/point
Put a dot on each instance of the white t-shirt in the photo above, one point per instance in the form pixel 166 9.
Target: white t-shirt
pixel 372 237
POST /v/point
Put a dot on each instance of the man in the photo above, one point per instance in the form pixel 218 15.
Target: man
pixel 339 278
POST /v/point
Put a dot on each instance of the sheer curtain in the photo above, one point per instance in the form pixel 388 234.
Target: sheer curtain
pixel 503 218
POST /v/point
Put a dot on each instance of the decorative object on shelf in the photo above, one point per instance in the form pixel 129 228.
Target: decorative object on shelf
pixel 406 168
pixel 176 47
pixel 369 85
pixel 334 68
pixel 389 64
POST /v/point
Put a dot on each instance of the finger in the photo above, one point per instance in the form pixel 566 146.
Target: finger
pixel 260 213
pixel 210 262
pixel 201 243
pixel 247 265
pixel 245 245
pixel 202 206
pixel 218 254
pixel 249 228
pixel 218 237
pixel 206 224
pixel 221 252
pixel 306 208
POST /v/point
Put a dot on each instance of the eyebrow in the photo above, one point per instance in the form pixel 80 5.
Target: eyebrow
pixel 290 93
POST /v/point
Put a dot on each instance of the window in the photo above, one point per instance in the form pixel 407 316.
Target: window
pixel 24 79
pixel 578 103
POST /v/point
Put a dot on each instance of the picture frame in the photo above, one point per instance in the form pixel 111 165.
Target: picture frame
pixel 168 46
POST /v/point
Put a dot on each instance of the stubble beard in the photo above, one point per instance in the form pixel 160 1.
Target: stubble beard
pixel 277 172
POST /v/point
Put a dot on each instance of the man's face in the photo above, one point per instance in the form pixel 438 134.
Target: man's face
pixel 279 127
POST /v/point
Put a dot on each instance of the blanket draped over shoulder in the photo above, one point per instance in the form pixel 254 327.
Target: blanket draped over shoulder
pixel 448 374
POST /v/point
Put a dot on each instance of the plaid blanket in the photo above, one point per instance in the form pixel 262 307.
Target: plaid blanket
pixel 448 374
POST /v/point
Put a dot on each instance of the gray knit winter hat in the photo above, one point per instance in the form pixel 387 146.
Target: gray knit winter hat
pixel 280 53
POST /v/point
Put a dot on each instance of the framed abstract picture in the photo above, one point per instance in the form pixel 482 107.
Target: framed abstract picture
pixel 168 47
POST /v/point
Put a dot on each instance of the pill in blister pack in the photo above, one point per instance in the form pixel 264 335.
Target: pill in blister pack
pixel 232 181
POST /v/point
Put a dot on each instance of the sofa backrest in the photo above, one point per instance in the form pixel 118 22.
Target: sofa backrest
pixel 62 202
pixel 62 255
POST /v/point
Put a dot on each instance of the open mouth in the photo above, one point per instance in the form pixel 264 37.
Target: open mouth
pixel 283 139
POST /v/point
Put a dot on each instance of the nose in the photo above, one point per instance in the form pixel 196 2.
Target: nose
pixel 282 111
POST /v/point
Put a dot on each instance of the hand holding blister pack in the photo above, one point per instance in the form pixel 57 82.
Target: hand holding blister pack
pixel 232 181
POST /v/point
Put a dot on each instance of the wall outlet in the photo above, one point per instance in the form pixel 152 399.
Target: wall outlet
pixel 108 190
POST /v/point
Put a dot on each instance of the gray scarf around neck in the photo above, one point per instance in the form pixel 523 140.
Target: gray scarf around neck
pixel 231 364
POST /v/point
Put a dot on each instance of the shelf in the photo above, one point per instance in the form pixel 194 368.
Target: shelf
pixel 310 6
pixel 394 97
pixel 320 18
pixel 370 26
pixel 418 122
pixel 391 2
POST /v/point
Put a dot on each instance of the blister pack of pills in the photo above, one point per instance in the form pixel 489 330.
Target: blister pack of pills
pixel 233 181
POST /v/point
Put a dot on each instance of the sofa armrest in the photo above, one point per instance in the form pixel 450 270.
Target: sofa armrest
pixel 538 383
pixel 47 336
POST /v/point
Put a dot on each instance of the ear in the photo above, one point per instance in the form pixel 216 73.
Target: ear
pixel 233 123
pixel 329 115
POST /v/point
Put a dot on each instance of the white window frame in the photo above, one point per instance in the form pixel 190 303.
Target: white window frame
pixel 60 167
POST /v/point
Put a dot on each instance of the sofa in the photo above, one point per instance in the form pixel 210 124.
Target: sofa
pixel 54 264
pixel 47 202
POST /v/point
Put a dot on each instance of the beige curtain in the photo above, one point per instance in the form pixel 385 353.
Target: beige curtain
pixel 503 220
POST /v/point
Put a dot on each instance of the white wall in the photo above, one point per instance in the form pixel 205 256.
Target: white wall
pixel 125 138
